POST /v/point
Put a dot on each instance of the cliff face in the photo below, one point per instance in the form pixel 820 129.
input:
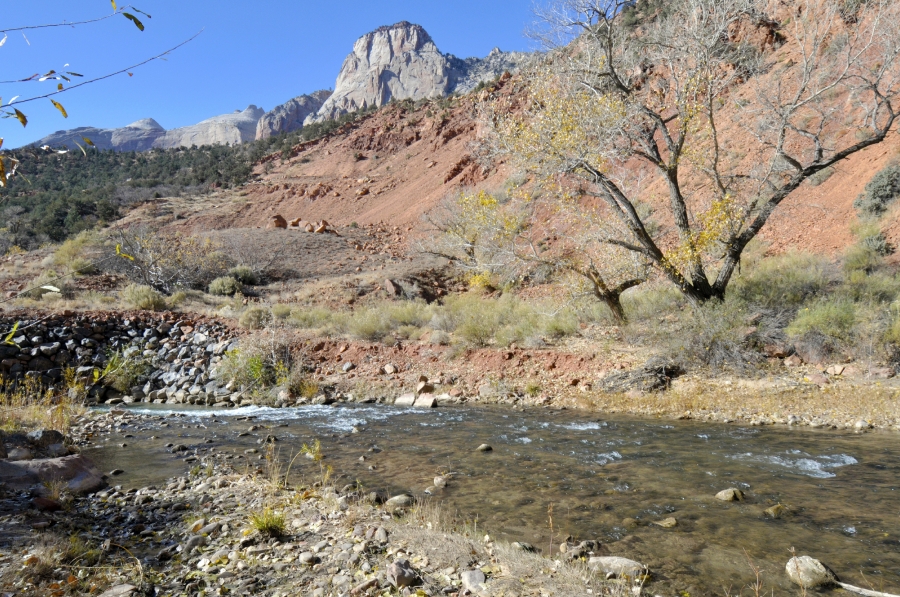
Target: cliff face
pixel 238 127
pixel 402 62
pixel 145 134
pixel 391 62
pixel 137 136
pixel 290 115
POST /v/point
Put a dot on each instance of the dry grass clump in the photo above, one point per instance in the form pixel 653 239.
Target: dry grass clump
pixel 473 319
pixel 27 404
pixel 268 522
pixel 143 297
pixel 255 318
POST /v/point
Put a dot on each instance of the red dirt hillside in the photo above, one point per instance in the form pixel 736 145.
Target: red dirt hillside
pixel 395 165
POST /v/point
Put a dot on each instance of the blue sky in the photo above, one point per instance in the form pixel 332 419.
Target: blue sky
pixel 249 53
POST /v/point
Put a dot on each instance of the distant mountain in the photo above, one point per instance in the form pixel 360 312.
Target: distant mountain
pixel 402 62
pixel 137 136
pixel 397 62
pixel 290 115
pixel 238 127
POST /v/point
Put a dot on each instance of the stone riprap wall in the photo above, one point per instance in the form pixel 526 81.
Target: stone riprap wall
pixel 180 355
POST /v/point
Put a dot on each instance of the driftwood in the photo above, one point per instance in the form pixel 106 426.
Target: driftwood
pixel 653 376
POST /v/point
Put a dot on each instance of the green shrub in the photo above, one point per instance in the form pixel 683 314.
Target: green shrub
pixel 832 317
pixel 368 324
pixel 880 192
pixel 782 282
pixel 646 302
pixel 123 373
pixel 821 176
pixel 143 297
pixel 225 286
pixel 561 324
pixel 281 311
pixel 310 318
pixel 716 335
pixel 876 287
pixel 74 254
pixel 255 318
pixel 246 368
pixel 45 283
pixel 244 275
pixel 860 258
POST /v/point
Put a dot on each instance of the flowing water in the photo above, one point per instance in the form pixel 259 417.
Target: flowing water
pixel 606 477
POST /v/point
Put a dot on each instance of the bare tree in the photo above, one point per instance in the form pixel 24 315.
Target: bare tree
pixel 168 261
pixel 613 99
pixel 553 235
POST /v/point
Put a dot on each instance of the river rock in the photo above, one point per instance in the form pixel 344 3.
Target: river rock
pixel 473 581
pixel 120 591
pixel 18 454
pixel 405 400
pixel 775 511
pixel 425 401
pixel 401 574
pixel 308 558
pixel 731 494
pixel 79 473
pixel 44 437
pixel 399 501
pixel 484 448
pixel 809 572
pixel 616 567
pixel 666 523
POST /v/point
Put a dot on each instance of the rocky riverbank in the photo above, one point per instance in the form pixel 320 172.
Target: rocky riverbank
pixel 236 527
pixel 174 359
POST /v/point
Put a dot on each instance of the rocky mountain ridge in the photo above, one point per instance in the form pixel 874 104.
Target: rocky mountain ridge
pixel 290 115
pixel 143 135
pixel 397 62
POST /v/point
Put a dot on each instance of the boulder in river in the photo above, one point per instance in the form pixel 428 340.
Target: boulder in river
pixel 405 400
pixel 732 494
pixel 809 572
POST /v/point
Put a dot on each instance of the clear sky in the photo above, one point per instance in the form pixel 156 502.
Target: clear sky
pixel 261 53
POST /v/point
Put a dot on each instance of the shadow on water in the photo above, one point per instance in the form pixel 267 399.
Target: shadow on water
pixel 607 478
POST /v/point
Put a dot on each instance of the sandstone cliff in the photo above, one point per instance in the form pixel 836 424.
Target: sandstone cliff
pixel 235 128
pixel 402 62
pixel 290 115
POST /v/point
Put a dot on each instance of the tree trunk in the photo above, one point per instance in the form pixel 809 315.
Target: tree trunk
pixel 613 301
